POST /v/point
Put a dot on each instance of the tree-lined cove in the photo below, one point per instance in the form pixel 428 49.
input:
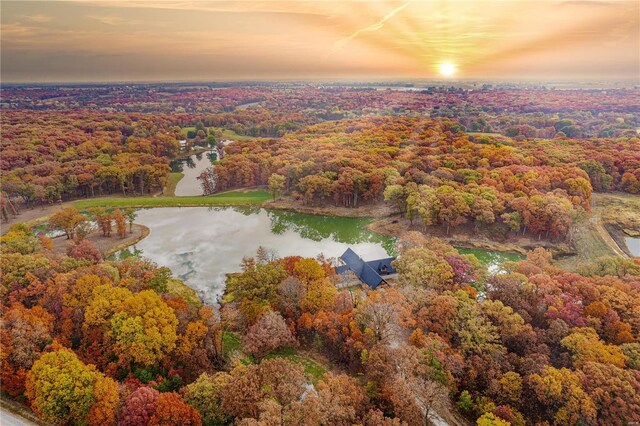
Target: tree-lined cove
pixel 191 167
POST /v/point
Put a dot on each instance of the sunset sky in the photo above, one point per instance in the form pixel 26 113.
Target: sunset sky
pixel 63 41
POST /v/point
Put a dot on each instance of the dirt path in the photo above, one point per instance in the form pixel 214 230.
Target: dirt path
pixel 106 245
pixel 598 225
pixel 13 413
pixel 33 216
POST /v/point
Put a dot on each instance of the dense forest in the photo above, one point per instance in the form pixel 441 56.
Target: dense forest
pixel 436 173
pixel 87 340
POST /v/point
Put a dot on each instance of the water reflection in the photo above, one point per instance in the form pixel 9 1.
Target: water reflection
pixel 633 244
pixel 192 167
pixel 491 259
pixel 200 245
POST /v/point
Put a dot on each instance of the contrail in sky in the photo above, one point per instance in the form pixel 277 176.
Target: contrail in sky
pixel 338 45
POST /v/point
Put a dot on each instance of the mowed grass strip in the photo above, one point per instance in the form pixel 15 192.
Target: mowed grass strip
pixel 172 182
pixel 235 198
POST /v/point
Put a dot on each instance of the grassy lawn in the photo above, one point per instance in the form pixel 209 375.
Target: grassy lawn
pixel 617 209
pixel 226 133
pixel 230 134
pixel 170 189
pixel 589 246
pixel 235 198
pixel 185 130
pixel 231 343
pixel 312 368
pixel 178 288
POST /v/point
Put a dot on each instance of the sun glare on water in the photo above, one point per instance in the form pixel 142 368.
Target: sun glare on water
pixel 447 69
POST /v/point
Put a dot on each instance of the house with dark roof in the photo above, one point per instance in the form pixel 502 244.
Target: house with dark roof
pixel 371 273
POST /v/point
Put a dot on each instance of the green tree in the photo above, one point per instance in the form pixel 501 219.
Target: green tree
pixel 276 185
pixel 63 390
pixel 424 268
pixel 205 395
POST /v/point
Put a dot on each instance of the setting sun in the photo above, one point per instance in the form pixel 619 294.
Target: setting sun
pixel 447 69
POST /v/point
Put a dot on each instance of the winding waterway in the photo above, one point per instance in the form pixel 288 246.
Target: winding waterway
pixel 192 166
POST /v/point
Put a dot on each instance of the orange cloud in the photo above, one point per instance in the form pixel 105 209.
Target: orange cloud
pixel 188 40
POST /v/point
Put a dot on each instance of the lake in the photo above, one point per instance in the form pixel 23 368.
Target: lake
pixel 200 244
pixel 491 259
pixel 633 244
pixel 192 166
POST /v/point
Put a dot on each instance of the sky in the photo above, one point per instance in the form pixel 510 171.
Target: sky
pixel 136 40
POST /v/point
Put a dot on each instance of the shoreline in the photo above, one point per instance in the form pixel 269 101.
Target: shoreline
pixel 384 222
pixel 371 211
pixel 391 227
pixel 144 233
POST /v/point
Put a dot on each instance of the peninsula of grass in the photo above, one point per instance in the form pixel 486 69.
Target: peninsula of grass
pixel 172 182
pixel 234 198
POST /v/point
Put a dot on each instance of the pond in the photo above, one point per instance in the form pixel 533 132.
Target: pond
pixel 492 259
pixel 633 244
pixel 200 244
pixel 192 166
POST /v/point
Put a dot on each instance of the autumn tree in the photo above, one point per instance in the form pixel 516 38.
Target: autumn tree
pixel 269 333
pixel 139 406
pixel 19 239
pixel 423 267
pixel 121 224
pixel 104 220
pixel 277 379
pixel 340 400
pixel 143 329
pixel 614 391
pixel 561 395
pixel 67 220
pixel 585 345
pixel 276 185
pixel 205 395
pixel 64 390
pixel 84 249
pixel 172 410
pixel 255 288
pixel 24 336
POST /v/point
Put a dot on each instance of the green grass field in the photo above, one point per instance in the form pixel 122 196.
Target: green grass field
pixel 312 368
pixel 235 198
pixel 185 130
pixel 226 133
pixel 232 343
pixel 170 189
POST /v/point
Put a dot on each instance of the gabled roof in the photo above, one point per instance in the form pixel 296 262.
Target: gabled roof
pixel 353 261
pixel 367 272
